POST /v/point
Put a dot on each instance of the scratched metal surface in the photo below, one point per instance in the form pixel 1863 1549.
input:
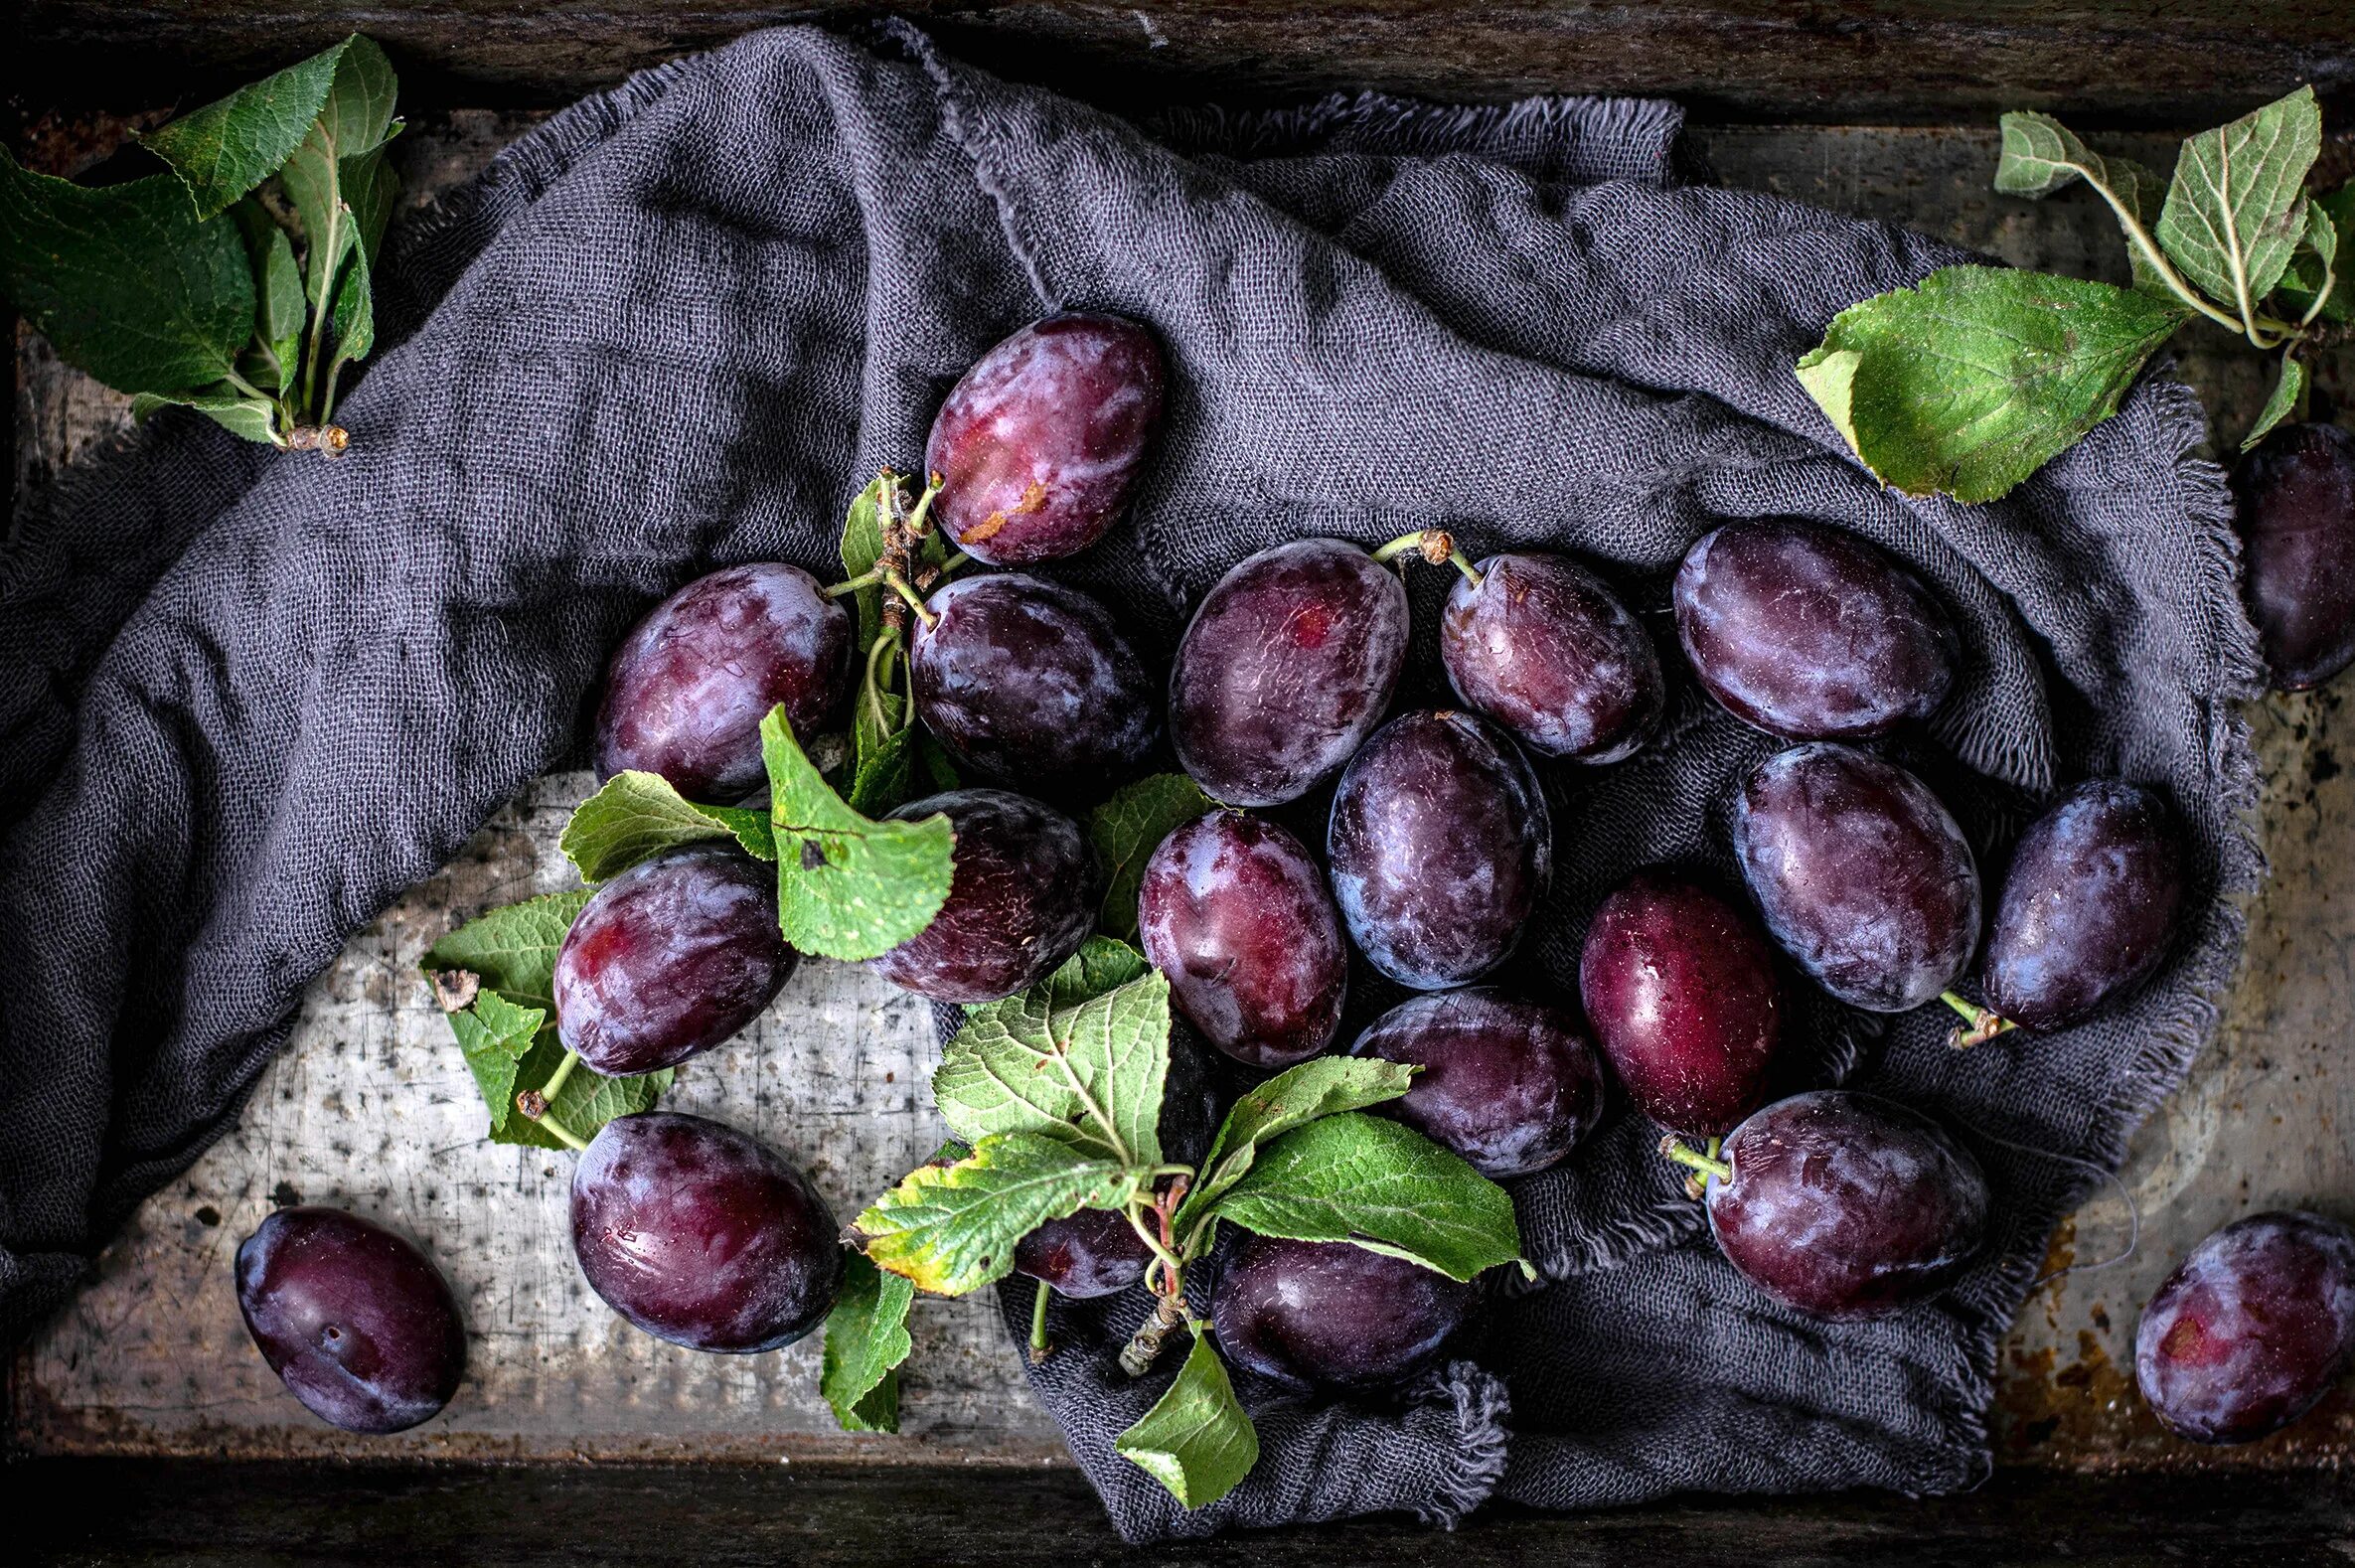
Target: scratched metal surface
pixel 369 1105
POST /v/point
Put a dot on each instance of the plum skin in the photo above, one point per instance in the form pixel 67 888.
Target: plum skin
pixel 2294 511
pixel 1847 1207
pixel 2251 1329
pixel 1287 666
pixel 1510 1085
pixel 1041 443
pixel 1680 989
pixel 686 689
pixel 1543 647
pixel 2089 905
pixel 1811 633
pixel 1440 847
pixel 1031 681
pixel 1236 913
pixel 1860 873
pixel 702 1236
pixel 1021 899
pixel 1329 1314
pixel 669 959
pixel 358 1323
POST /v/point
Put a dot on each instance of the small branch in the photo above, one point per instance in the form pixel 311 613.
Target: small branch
pixel 534 1105
pixel 1984 1023
pixel 865 580
pixel 555 1079
pixel 914 601
pixel 1695 1160
pixel 1040 1348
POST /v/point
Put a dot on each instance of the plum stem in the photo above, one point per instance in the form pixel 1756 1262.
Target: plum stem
pixel 919 516
pixel 1040 1350
pixel 555 1079
pixel 916 600
pixel 1985 1022
pixel 950 566
pixel 1436 547
pixel 534 1104
pixel 1693 1159
pixel 865 580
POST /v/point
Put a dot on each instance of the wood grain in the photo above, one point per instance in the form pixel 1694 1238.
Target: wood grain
pixel 371 1105
pixel 1826 61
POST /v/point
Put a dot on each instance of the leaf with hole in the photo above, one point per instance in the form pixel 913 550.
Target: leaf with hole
pixel 849 886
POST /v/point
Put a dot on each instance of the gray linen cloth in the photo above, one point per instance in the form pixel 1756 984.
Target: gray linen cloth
pixel 247 700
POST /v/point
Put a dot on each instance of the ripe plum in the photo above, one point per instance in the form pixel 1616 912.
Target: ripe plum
pixel 669 958
pixel 1285 668
pixel 1331 1313
pixel 1844 1206
pixel 689 686
pixel 702 1236
pixel 1440 847
pixel 2294 510
pixel 1510 1085
pixel 1810 632
pixel 1236 913
pixel 2252 1328
pixel 2089 905
pixel 1679 988
pixel 1041 443
pixel 1021 899
pixel 1537 644
pixel 1861 875
pixel 358 1323
pixel 1031 681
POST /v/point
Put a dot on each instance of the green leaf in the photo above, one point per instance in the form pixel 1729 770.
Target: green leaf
pixel 1971 382
pixel 937 768
pixel 355 301
pixel 866 1340
pixel 1197 1440
pixel 1383 1185
pixel 1087 1070
pixel 255 418
pixel 227 148
pixel 2234 208
pixel 278 297
pixel 1102 965
pixel 638 815
pixel 2280 405
pixel 2041 155
pixel 352 122
pixel 861 548
pixel 494 1034
pixel 512 949
pixel 952 1228
pixel 2329 219
pixel 125 281
pixel 885 776
pixel 1323 1086
pixel 1128 828
pixel 848 886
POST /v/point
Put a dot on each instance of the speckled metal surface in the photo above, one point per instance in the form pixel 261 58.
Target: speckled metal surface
pixel 371 1105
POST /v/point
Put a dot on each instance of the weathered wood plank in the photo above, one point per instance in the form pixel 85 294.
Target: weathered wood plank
pixel 1879 60
pixel 371 1106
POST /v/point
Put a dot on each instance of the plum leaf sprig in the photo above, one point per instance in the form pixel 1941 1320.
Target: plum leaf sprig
pixel 1973 378
pixel 240 281
pixel 1055 1098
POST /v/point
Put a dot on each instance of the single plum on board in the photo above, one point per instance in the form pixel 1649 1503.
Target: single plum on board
pixel 1284 670
pixel 1440 847
pixel 2089 905
pixel 2252 1328
pixel 1680 989
pixel 1329 1314
pixel 1861 875
pixel 1236 913
pixel 2294 510
pixel 1030 683
pixel 1810 633
pixel 686 689
pixel 1040 447
pixel 1539 645
pixel 702 1236
pixel 358 1325
pixel 1509 1084
pixel 669 959
pixel 1021 899
pixel 1845 1205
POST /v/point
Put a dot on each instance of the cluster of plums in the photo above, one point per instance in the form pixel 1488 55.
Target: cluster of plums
pixel 1437 849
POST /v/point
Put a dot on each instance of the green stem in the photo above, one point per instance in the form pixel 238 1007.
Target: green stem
pixel 865 580
pixel 918 517
pixel 950 566
pixel 553 1128
pixel 1695 1160
pixel 1038 1325
pixel 245 387
pixel 2321 298
pixel 1984 1023
pixel 1436 546
pixel 335 372
pixel 916 600
pixel 2140 238
pixel 555 1079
